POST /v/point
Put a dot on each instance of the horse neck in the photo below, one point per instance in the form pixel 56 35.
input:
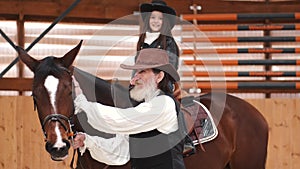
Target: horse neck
pixel 102 91
pixel 94 88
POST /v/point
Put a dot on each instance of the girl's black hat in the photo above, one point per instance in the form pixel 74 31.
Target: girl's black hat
pixel 159 5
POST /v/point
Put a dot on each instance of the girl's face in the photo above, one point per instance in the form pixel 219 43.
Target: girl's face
pixel 156 21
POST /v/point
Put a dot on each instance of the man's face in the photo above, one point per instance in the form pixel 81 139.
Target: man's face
pixel 144 82
pixel 156 21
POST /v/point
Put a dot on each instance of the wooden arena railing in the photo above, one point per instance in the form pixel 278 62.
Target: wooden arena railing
pixel 244 39
pixel 244 73
pixel 246 85
pixel 239 16
pixel 256 52
pixel 242 62
pixel 241 50
pixel 235 27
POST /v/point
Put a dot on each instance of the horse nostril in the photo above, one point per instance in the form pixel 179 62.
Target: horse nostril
pixel 48 147
pixel 58 153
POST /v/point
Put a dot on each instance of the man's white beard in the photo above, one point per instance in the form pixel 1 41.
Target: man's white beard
pixel 147 92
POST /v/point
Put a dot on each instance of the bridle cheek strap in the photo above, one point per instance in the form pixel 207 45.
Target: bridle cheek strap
pixel 59 118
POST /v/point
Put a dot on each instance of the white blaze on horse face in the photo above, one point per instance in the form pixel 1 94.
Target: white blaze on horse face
pixel 51 84
pixel 59 142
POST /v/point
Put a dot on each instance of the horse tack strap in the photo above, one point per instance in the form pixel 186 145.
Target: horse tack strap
pixel 73 159
pixel 56 117
pixel 59 118
pixel 34 102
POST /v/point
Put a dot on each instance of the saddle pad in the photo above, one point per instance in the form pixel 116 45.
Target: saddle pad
pixel 199 121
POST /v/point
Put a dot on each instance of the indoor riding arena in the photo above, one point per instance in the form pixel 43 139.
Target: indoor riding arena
pixel 249 49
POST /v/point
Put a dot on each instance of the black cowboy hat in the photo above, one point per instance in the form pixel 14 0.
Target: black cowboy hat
pixel 158 5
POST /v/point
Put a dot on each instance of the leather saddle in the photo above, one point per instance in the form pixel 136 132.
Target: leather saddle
pixel 199 121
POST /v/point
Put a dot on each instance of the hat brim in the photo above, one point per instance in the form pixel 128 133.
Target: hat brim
pixel 146 7
pixel 171 13
pixel 168 68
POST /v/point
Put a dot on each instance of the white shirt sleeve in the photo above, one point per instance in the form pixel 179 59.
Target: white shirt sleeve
pixel 112 151
pixel 159 113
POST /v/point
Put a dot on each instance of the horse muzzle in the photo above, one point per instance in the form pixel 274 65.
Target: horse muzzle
pixel 58 153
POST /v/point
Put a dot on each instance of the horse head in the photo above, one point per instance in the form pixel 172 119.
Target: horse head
pixel 52 95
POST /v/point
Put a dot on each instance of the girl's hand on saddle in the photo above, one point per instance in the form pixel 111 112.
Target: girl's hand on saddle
pixel 79 140
pixel 77 88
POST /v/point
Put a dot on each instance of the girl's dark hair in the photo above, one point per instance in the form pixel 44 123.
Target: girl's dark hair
pixel 164 32
pixel 166 83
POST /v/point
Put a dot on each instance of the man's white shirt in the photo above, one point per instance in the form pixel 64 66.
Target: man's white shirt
pixel 157 113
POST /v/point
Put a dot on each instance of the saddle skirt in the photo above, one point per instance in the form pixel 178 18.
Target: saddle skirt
pixel 199 121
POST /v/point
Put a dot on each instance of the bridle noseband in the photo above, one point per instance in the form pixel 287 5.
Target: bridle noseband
pixel 59 118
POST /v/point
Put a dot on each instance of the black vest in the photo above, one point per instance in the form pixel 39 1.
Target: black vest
pixel 155 150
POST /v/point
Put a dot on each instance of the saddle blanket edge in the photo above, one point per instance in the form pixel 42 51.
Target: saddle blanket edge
pixel 214 130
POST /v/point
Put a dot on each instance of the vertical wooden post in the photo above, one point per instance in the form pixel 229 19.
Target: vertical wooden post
pixel 267 55
pixel 21 42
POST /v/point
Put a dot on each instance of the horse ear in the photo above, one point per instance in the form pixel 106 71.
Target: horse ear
pixel 69 57
pixel 27 59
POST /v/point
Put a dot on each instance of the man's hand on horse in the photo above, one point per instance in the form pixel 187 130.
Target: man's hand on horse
pixel 77 88
pixel 79 140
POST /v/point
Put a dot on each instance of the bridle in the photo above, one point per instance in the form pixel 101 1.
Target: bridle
pixel 59 118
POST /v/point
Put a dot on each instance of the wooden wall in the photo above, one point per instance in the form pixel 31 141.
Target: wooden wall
pixel 283 116
pixel 22 144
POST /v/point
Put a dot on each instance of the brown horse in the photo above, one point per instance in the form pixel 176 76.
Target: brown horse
pixel 243 132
